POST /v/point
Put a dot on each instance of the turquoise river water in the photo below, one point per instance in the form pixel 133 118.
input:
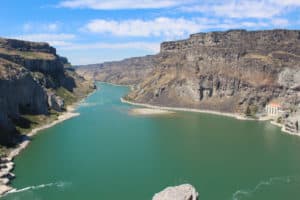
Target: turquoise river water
pixel 108 154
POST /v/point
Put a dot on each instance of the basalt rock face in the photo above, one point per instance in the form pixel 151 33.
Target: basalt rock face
pixel 30 73
pixel 127 72
pixel 225 71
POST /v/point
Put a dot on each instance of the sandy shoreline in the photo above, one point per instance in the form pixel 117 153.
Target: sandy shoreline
pixel 149 111
pixel 237 116
pixel 62 117
pixel 6 172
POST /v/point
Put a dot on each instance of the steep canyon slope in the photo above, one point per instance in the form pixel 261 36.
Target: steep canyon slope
pixel 34 83
pixel 126 72
pixel 234 71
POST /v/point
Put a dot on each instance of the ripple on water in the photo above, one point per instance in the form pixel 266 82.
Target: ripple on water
pixel 248 193
pixel 59 184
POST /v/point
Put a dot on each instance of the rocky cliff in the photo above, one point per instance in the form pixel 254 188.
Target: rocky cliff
pixel 127 72
pixel 31 74
pixel 234 71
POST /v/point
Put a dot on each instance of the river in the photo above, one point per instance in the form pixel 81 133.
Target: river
pixel 108 154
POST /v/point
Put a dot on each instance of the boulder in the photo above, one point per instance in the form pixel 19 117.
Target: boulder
pixel 55 102
pixel 181 192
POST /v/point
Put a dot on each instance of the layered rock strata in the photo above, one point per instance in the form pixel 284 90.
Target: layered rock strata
pixel 30 76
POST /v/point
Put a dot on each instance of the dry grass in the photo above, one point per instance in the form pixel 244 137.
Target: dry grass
pixel 29 122
pixel 264 58
pixel 8 69
pixel 285 53
pixel 28 54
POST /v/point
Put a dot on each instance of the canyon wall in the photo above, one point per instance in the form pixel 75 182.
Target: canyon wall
pixel 233 71
pixel 126 72
pixel 30 76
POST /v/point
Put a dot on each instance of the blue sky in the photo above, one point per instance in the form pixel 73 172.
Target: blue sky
pixel 93 31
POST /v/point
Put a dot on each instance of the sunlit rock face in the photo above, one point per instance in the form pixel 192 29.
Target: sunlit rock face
pixel 181 192
pixel 223 71
pixel 30 74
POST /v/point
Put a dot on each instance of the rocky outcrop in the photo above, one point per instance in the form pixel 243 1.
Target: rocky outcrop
pixel 181 192
pixel 30 76
pixel 55 102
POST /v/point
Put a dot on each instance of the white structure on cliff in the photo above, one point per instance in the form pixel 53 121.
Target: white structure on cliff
pixel 273 109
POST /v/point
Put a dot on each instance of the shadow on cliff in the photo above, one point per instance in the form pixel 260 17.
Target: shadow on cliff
pixel 24 123
pixel 12 138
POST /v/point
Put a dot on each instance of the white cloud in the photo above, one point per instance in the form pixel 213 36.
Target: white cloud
pixel 149 46
pixel 167 28
pixel 257 9
pixel 27 27
pixel 58 40
pixel 237 9
pixel 286 2
pixel 121 4
pixel 247 9
pixel 43 37
pixel 67 42
pixel 44 27
pixel 279 22
pixel 162 26
pixel 52 27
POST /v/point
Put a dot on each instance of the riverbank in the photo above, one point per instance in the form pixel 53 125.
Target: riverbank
pixel 124 144
pixel 283 129
pixel 7 164
pixel 233 115
pixel 149 111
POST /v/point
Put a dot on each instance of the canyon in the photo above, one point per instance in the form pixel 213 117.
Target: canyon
pixel 235 71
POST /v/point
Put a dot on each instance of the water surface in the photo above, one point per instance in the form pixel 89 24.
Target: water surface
pixel 105 153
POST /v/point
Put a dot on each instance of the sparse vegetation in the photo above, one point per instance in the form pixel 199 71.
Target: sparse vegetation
pixel 279 120
pixel 28 122
pixel 251 111
pixel 28 54
pixel 68 96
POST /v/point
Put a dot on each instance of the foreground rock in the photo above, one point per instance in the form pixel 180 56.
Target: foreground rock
pixel 182 192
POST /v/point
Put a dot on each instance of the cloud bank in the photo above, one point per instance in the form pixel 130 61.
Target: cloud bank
pixel 121 4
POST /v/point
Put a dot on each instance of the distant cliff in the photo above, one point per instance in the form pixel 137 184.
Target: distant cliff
pixel 33 82
pixel 233 71
pixel 129 71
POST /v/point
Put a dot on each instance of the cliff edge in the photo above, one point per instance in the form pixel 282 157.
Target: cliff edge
pixel 35 87
pixel 234 71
